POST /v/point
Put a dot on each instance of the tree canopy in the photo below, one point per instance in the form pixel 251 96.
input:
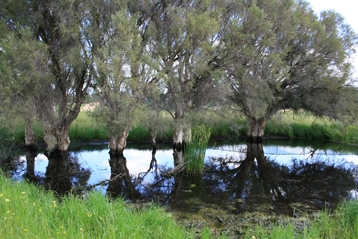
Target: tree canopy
pixel 279 55
pixel 179 56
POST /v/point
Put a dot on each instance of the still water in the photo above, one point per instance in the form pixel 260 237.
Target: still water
pixel 239 177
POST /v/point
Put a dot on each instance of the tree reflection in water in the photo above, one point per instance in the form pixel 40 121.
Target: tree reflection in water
pixel 120 183
pixel 256 180
pixel 64 174
pixel 255 183
pixel 251 182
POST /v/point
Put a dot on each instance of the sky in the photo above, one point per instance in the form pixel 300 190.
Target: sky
pixel 347 8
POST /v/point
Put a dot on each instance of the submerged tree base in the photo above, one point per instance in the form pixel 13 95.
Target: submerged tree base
pixel 254 139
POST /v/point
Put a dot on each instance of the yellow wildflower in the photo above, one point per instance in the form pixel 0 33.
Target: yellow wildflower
pixel 7 200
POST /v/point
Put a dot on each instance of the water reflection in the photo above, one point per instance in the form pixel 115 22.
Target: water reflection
pixel 248 183
pixel 64 173
pixel 120 183
pixel 237 178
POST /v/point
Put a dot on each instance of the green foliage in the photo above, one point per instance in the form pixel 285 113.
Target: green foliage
pixel 282 56
pixel 194 152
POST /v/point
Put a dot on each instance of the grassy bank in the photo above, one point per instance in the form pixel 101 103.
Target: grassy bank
pixel 225 127
pixel 29 212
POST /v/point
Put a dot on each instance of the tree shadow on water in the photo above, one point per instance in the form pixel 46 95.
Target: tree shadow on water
pixel 120 183
pixel 256 183
pixel 64 174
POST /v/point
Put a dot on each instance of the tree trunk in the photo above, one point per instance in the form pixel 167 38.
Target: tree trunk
pixel 178 138
pixel 57 138
pixel 30 140
pixel 153 134
pixel 256 129
pixel 117 144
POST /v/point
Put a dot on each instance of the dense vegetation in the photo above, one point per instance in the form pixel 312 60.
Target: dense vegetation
pixel 141 58
pixel 157 70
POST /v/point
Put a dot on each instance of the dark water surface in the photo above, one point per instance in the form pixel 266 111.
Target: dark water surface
pixel 277 176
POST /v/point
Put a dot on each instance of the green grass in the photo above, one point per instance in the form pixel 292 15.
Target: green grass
pixel 86 128
pixel 28 212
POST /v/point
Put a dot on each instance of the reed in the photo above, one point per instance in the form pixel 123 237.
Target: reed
pixel 194 152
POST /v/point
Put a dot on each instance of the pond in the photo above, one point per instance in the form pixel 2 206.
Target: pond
pixel 277 177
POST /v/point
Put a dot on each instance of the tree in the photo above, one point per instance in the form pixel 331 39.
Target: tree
pixel 23 62
pixel 57 95
pixel 181 39
pixel 279 55
pixel 119 77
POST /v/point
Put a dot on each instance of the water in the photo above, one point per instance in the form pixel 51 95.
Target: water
pixel 238 177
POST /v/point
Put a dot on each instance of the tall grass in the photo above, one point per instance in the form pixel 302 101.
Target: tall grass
pixel 28 212
pixel 194 152
pixel 86 128
pixel 305 126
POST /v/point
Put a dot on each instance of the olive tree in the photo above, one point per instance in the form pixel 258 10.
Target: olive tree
pixel 279 55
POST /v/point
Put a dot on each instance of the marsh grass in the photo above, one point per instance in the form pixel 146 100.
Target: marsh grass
pixel 194 152
pixel 28 212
